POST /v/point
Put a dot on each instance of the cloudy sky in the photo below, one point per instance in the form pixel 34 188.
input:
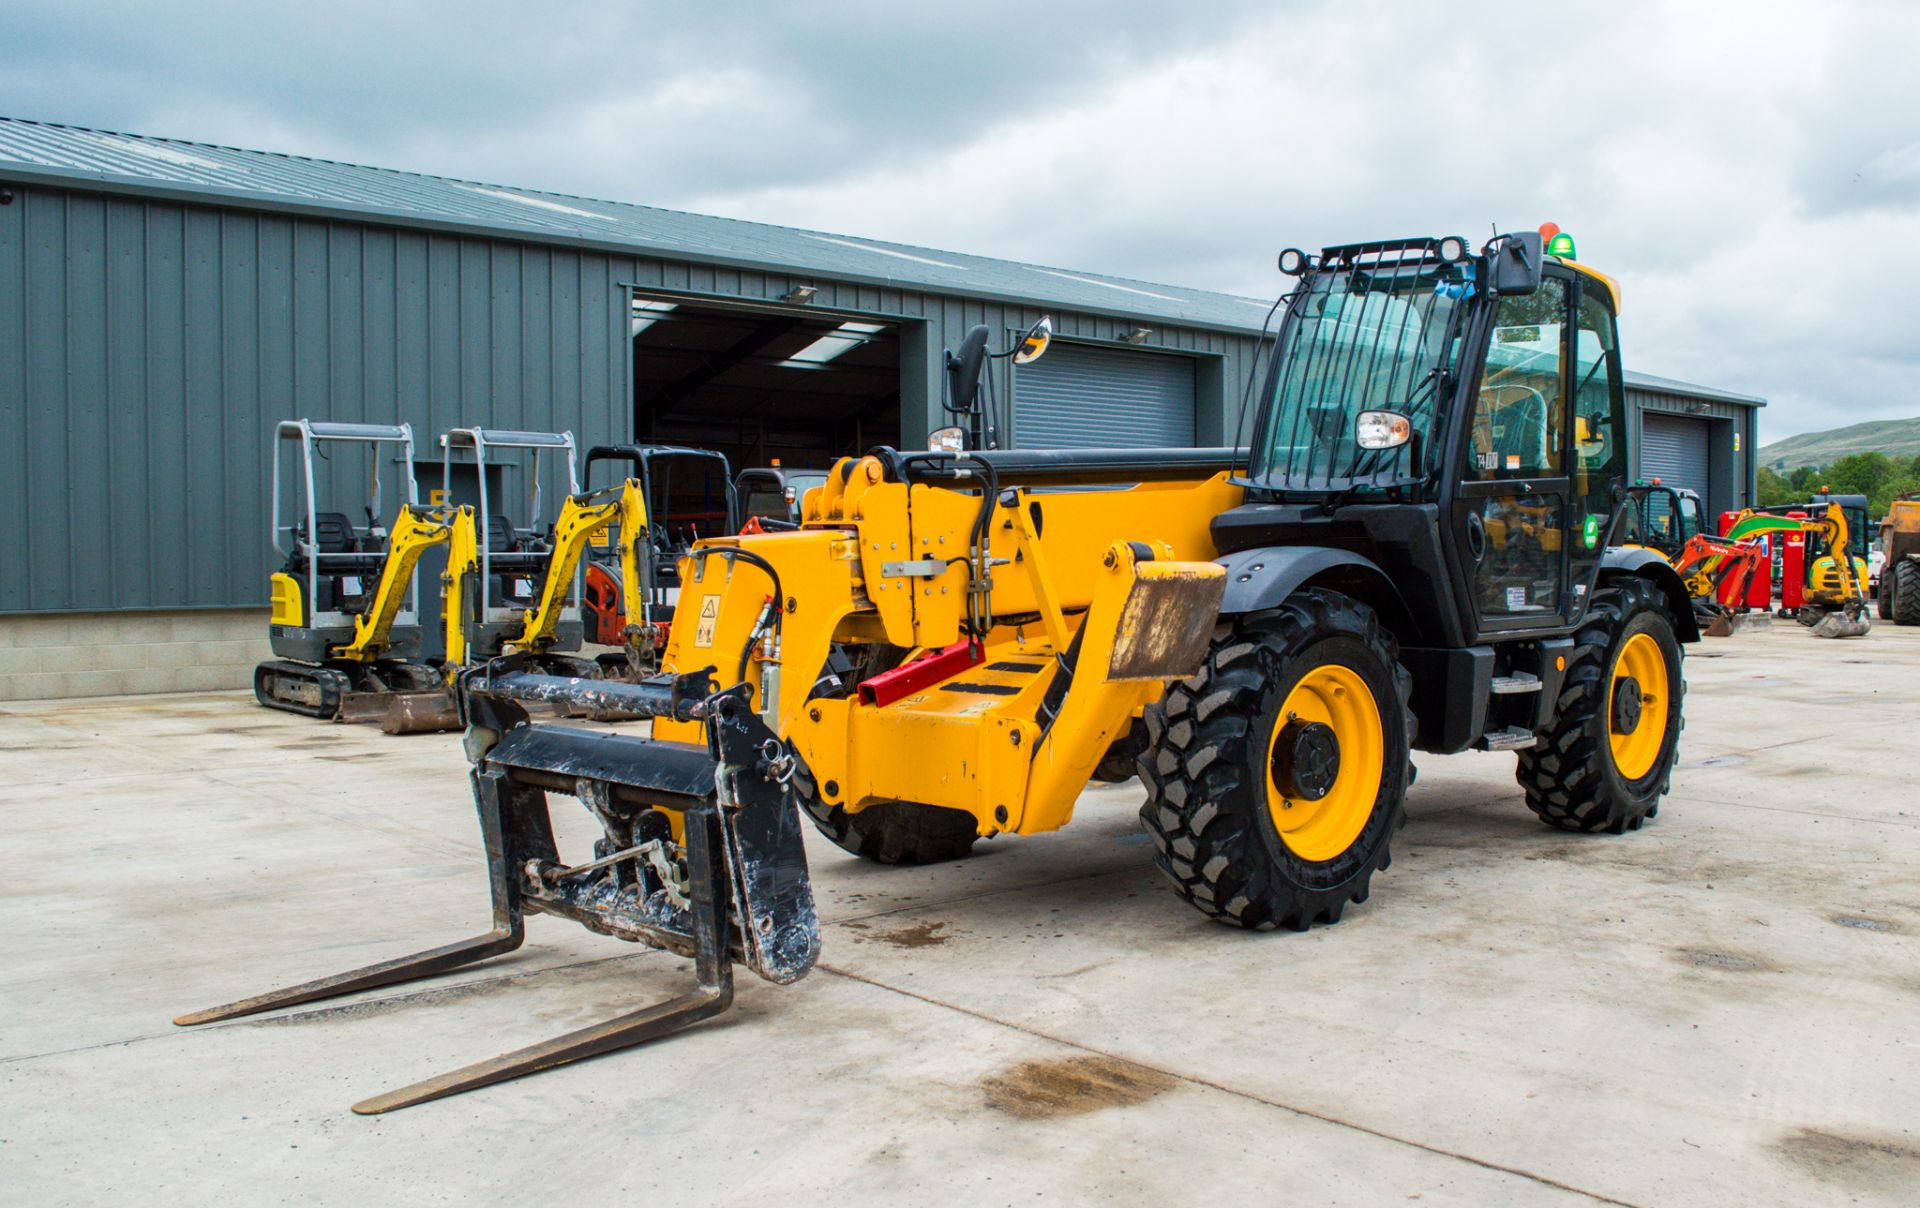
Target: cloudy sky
pixel 1751 171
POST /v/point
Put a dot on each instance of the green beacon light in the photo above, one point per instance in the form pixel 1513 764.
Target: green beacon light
pixel 1561 245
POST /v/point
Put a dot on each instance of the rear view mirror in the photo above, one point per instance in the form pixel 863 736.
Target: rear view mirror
pixel 1034 344
pixel 1516 263
pixel 963 369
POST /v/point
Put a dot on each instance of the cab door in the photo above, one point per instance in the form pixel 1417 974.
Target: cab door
pixel 1510 511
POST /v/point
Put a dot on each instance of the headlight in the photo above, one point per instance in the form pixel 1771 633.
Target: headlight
pixel 1382 429
pixel 947 440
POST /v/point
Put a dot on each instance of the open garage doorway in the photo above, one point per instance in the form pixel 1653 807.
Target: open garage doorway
pixel 763 387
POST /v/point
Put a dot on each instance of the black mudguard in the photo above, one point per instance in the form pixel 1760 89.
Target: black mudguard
pixel 1651 566
pixel 1263 578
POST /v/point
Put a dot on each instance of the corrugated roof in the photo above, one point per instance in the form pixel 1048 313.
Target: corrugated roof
pixel 1647 381
pixel 71 155
pixel 74 155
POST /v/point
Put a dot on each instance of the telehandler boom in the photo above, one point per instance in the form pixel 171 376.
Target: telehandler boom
pixel 1415 550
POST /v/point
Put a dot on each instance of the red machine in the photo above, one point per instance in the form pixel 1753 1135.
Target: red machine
pixel 1760 587
pixel 1793 567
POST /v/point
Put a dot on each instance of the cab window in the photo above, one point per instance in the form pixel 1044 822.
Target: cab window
pixel 1518 417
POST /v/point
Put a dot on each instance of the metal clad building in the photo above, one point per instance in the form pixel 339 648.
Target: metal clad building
pixel 164 303
pixel 1694 436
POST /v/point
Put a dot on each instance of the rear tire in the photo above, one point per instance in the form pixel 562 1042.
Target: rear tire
pixel 1572 778
pixel 1883 594
pixel 1118 764
pixel 1906 591
pixel 890 832
pixel 1213 788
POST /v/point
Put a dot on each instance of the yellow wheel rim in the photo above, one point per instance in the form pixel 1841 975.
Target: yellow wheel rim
pixel 1637 734
pixel 1320 828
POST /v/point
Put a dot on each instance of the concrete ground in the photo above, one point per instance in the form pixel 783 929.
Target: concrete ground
pixel 1723 1008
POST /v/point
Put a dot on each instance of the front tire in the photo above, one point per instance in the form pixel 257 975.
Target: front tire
pixel 1278 774
pixel 1906 591
pixel 1608 755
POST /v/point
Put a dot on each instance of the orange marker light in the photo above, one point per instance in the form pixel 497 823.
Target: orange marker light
pixel 1548 230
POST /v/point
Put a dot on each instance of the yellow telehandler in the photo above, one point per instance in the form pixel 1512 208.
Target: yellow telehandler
pixel 1414 550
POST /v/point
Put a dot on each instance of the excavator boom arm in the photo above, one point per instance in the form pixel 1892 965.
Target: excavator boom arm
pixel 415 530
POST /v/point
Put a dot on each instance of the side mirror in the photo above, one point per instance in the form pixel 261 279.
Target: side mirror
pixel 1516 263
pixel 1033 345
pixel 963 369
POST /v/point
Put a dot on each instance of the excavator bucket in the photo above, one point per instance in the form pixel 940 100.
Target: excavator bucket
pixel 418 713
pixel 732 886
pixel 1850 621
pixel 1726 624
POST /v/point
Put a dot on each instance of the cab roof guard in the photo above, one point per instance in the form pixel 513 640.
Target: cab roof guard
pixel 308 432
pixel 477 442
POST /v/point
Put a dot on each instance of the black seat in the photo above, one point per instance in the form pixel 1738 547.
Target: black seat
pixel 516 563
pixel 333 533
pixel 501 538
pixel 347 572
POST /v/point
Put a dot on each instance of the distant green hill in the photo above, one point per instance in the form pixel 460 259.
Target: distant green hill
pixel 1894 437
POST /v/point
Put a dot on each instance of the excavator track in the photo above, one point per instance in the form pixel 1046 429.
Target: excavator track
pixel 301 688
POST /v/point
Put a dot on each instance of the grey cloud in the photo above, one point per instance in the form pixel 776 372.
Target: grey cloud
pixel 1751 171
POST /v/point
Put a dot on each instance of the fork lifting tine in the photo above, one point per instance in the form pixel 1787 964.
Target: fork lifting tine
pixel 712 964
pixel 386 973
pixel 507 933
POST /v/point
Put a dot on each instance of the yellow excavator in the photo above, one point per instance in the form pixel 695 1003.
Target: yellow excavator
pixel 951 642
pixel 1829 593
pixel 508 590
pixel 344 625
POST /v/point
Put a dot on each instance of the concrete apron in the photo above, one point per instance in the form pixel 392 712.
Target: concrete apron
pixel 1718 1008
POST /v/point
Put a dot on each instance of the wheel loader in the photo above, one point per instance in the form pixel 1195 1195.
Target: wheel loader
pixel 1416 550
pixel 344 625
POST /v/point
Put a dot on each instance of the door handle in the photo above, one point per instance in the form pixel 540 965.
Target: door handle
pixel 1476 536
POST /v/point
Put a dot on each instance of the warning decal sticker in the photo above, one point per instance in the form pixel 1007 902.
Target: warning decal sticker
pixel 709 617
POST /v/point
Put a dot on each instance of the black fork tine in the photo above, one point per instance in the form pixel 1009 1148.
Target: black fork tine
pixel 509 931
pixel 712 964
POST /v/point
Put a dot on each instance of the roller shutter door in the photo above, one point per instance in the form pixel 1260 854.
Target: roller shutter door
pixel 1096 398
pixel 1674 449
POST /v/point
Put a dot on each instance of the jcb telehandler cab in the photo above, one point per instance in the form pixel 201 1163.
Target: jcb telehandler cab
pixel 344 625
pixel 1414 551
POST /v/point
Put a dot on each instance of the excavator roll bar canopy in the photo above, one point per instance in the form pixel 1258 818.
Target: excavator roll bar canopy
pixel 313 434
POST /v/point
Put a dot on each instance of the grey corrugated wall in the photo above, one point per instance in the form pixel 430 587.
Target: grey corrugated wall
pixel 1733 471
pixel 147 348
